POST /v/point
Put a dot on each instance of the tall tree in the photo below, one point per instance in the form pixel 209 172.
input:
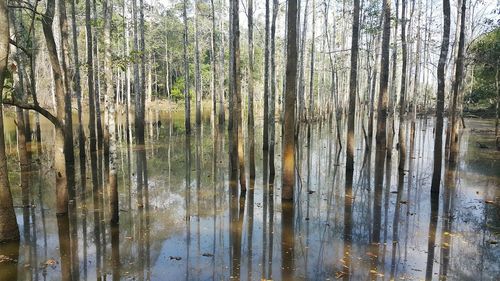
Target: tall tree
pixel 142 51
pixel 438 140
pixel 381 137
pixel 60 96
pixel 272 96
pixel 251 121
pixel 213 60
pixel 110 107
pixel 288 159
pixel 265 141
pixel 456 87
pixel 402 98
pixel 187 106
pixel 311 75
pixel 353 80
pixel 9 230
pixel 197 80
pixel 90 80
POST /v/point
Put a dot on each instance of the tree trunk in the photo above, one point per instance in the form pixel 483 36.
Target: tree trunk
pixel 438 140
pixel 402 101
pixel 77 88
pixel 457 88
pixel 59 157
pixel 309 115
pixel 384 79
pixel 288 159
pixel 251 122
pixel 213 61
pixel 272 97
pixel 9 230
pixel 353 80
pixel 142 99
pixel 110 108
pixel 187 106
pixel 197 66
pixel 265 141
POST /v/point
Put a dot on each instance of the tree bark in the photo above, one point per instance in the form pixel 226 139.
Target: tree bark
pixel 438 140
pixel 381 137
pixel 187 106
pixel 272 97
pixel 9 230
pixel 59 157
pixel 251 122
pixel 353 80
pixel 454 147
pixel 265 140
pixel 288 159
pixel 197 66
pixel 402 101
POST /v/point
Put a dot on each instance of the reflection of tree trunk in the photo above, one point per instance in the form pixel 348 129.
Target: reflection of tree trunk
pixel 115 251
pixel 432 234
pixel 377 210
pixel 448 196
pixel 187 206
pixel 395 222
pixel 64 247
pixel 9 250
pixel 288 159
pixel 287 234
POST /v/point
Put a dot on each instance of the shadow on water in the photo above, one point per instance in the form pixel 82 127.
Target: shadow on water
pixel 183 216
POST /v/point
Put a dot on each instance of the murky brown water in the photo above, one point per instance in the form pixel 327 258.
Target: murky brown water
pixel 191 228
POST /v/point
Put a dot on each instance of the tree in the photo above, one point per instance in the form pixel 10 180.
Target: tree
pixel 265 141
pixel 457 87
pixel 251 122
pixel 353 80
pixel 438 140
pixel 110 107
pixel 380 137
pixel 402 101
pixel 9 230
pixel 197 80
pixel 272 97
pixel 187 106
pixel 288 159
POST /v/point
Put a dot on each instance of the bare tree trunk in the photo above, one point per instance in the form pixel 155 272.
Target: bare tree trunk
pixel 381 135
pixel 68 128
pixel 77 88
pixel 309 114
pixel 197 80
pixel 438 143
pixel 59 157
pixel 392 92
pixel 497 108
pixel 288 159
pixel 302 63
pixel 251 122
pixel 213 60
pixel 187 106
pixel 110 108
pixel 142 100
pixel 353 80
pixel 457 88
pixel 402 101
pixel 272 97
pixel 265 141
pixel 9 230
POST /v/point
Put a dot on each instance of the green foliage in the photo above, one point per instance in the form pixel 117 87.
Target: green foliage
pixel 485 54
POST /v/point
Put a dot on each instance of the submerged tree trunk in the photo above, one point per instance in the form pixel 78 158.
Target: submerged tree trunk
pixel 272 97
pixel 353 80
pixel 251 122
pixel 110 108
pixel 438 140
pixel 457 88
pixel 288 159
pixel 381 137
pixel 9 230
pixel 59 157
pixel 402 101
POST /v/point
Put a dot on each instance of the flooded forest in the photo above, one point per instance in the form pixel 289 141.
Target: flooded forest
pixel 249 140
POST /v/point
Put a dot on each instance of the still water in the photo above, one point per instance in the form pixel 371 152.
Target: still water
pixel 181 220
